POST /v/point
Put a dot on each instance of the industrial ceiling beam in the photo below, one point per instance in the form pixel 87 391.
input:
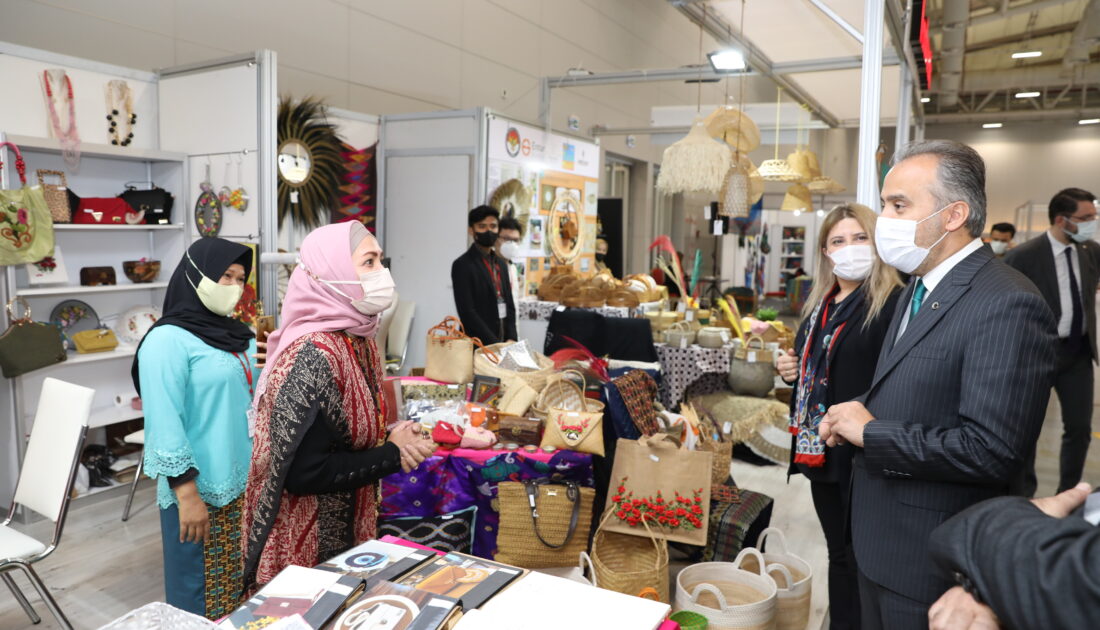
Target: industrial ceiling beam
pixel 897 23
pixel 1007 10
pixel 1023 115
pixel 1018 39
pixel 723 32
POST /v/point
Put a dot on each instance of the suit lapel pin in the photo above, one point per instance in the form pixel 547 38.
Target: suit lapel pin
pixel 935 306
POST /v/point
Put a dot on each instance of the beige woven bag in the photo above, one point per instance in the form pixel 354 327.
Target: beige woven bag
pixel 543 525
pixel 630 564
pixel 793 577
pixel 730 597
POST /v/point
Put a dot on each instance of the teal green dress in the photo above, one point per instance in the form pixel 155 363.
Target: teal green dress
pixel 196 399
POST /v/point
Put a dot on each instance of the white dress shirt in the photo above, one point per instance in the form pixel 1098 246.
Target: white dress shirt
pixel 933 278
pixel 1065 297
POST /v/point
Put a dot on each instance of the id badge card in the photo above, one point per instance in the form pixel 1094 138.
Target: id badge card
pixel 502 309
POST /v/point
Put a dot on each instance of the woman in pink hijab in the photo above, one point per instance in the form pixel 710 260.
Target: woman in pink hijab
pixel 320 443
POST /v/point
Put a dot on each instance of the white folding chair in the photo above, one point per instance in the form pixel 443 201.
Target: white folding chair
pixel 45 481
pixel 137 437
pixel 397 341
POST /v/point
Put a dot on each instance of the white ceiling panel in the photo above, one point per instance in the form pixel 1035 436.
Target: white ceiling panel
pixel 838 91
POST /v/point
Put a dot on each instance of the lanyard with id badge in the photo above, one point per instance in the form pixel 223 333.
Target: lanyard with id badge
pixel 502 306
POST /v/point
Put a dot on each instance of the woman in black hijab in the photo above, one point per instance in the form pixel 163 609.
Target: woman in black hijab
pixel 195 372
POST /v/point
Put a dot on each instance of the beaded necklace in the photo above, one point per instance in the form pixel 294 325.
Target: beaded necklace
pixel 120 106
pixel 69 138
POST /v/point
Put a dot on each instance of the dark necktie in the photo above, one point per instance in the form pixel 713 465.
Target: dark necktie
pixel 1076 327
pixel 918 298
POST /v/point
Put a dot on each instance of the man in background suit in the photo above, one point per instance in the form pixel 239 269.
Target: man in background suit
pixel 961 386
pixel 483 293
pixel 1064 263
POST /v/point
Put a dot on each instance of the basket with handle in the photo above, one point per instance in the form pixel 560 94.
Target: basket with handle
pixel 729 596
pixel 560 392
pixel 630 564
pixel 450 352
pixel 793 577
pixel 487 363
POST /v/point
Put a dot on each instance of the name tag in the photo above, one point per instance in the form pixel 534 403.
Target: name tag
pixel 502 309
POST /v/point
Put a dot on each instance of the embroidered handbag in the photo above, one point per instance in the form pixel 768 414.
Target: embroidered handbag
pixel 26 230
pixel 156 203
pixel 453 531
pixel 653 476
pixel 580 431
pixel 450 353
pixel 28 345
pixel 96 340
pixel 543 525
pixel 57 197
pixel 106 211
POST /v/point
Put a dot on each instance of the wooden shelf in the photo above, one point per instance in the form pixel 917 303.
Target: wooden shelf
pixel 69 289
pixel 88 149
pixel 112 415
pixel 73 227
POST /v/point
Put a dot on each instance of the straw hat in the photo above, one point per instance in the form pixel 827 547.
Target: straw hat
pixel 733 127
pixel 695 163
pixel 778 171
pixel 797 198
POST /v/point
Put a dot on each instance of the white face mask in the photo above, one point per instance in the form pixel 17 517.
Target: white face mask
pixel 220 299
pixel 896 240
pixel 510 250
pixel 377 286
pixel 1085 231
pixel 853 262
pixel 998 247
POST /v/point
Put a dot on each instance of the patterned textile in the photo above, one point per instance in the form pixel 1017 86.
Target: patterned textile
pixel 709 383
pixel 331 376
pixel 538 310
pixel 446 532
pixel 683 366
pixel 639 392
pixel 357 199
pixel 463 478
pixel 222 560
pixel 746 415
pixel 419 388
pixel 737 517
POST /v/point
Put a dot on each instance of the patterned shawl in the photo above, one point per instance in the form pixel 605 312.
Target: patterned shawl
pixel 342 375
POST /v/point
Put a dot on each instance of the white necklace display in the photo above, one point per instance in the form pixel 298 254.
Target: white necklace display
pixel 120 110
pixel 59 87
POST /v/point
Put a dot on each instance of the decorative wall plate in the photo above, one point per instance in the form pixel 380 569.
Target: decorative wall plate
pixel 135 322
pixel 74 316
pixel 565 229
pixel 208 212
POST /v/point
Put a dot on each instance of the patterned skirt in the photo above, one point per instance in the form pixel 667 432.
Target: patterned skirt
pixel 204 579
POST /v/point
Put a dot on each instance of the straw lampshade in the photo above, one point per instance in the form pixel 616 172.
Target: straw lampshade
pixel 695 163
pixel 733 200
pixel 778 171
pixel 825 185
pixel 734 127
pixel 799 164
pixel 814 165
pixel 797 198
pixel 756 183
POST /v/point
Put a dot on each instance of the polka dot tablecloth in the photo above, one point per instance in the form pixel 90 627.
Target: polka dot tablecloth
pixel 680 367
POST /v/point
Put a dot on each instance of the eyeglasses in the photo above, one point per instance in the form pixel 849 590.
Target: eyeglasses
pixel 1084 219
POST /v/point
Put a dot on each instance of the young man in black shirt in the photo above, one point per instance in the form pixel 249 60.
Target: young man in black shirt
pixel 483 293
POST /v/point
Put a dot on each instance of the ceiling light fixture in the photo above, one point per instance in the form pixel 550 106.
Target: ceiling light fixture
pixel 1089 121
pixel 1028 94
pixel 1027 55
pixel 727 60
pixel 925 99
pixel 992 125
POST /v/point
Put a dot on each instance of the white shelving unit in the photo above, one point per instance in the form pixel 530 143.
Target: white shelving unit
pixel 74 289
pixel 793 240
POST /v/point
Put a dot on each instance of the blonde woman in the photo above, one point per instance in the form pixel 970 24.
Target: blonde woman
pixel 843 329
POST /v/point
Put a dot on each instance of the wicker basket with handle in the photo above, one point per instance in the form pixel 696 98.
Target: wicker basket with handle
pixel 793 576
pixel 487 363
pixel 730 597
pixel 630 564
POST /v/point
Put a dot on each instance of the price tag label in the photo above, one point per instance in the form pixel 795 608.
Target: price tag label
pixel 725 337
pixel 654 458
pixel 727 427
pixel 716 228
pixel 681 307
pixel 706 212
pixel 689 315
pixel 560 309
pixel 683 342
pixel 752 356
pixel 452 386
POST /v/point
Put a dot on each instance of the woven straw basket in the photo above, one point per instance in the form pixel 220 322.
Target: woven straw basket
pixel 793 577
pixel 562 393
pixel 486 365
pixel 731 598
pixel 630 564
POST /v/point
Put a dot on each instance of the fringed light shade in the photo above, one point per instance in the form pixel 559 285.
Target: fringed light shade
pixel 778 171
pixel 734 127
pixel 797 198
pixel 696 163
pixel 825 185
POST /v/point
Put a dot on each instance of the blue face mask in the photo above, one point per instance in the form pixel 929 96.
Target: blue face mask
pixel 1085 231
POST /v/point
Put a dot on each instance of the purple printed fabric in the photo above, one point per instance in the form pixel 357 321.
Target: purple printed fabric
pixel 449 482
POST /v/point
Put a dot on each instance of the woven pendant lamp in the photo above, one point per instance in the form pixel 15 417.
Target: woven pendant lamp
pixel 825 185
pixel 799 164
pixel 734 127
pixel 695 163
pixel 775 169
pixel 733 200
pixel 797 198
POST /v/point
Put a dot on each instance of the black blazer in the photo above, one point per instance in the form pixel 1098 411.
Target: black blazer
pixel 476 297
pixel 1033 570
pixel 958 403
pixel 850 375
pixel 1035 259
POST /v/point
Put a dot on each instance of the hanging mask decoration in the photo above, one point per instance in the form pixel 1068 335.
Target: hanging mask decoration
pixel 220 299
pixel 208 210
pixel 233 197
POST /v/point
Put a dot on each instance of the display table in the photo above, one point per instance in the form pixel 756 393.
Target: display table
pixel 540 310
pixel 452 480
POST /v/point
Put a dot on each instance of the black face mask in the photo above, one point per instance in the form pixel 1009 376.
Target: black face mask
pixel 488 238
pixel 601 258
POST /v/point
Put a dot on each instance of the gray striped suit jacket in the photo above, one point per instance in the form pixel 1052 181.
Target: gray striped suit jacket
pixel 958 402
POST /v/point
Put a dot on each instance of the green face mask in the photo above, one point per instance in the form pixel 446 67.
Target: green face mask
pixel 220 299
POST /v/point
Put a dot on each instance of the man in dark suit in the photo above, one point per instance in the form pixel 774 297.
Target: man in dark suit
pixel 1021 564
pixel 961 385
pixel 1064 263
pixel 483 292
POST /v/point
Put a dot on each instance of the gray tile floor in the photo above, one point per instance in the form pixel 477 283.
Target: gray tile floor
pixel 104 567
